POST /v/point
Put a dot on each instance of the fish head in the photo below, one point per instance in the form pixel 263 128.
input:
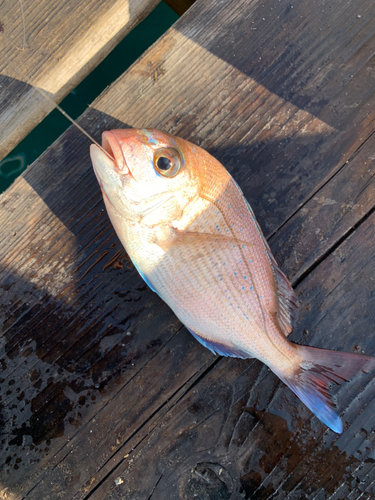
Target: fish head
pixel 147 176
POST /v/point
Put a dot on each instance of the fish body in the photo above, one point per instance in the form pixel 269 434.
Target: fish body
pixel 194 239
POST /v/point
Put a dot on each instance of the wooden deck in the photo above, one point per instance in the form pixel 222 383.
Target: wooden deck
pixel 104 394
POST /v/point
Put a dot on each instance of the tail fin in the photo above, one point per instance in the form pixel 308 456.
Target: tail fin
pixel 318 370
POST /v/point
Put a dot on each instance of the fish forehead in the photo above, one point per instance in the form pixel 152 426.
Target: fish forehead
pixel 151 138
pixel 133 150
pixel 156 137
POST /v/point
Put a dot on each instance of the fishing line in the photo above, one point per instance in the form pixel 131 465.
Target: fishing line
pixel 46 96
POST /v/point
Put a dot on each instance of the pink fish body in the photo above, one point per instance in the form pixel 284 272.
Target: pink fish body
pixel 195 241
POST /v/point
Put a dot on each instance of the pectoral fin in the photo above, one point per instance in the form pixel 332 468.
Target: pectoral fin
pixel 177 238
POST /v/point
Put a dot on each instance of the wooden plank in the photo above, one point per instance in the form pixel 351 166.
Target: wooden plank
pixel 329 216
pixel 239 431
pixel 95 366
pixel 54 45
pixel 179 6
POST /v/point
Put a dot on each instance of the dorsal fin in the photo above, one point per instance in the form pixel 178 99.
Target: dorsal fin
pixel 287 299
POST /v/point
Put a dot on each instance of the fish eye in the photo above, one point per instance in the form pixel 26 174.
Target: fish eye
pixel 167 161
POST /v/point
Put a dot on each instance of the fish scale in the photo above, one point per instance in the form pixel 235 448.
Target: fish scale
pixel 194 239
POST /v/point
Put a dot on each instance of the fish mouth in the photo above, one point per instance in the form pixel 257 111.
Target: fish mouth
pixel 104 166
pixel 112 146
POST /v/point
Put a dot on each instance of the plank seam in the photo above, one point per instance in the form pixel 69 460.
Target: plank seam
pixel 154 488
pixel 136 431
pixel 95 416
pixel 315 192
pixel 334 247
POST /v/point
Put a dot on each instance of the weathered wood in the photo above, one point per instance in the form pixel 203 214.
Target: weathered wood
pixel 179 6
pixel 100 381
pixel 330 215
pixel 53 45
pixel 239 431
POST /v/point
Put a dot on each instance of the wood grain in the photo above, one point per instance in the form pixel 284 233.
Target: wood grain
pixel 330 215
pixel 54 45
pixel 239 431
pixel 104 394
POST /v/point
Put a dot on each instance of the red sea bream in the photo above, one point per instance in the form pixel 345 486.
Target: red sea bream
pixel 194 239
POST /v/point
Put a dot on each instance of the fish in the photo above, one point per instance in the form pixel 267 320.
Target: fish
pixel 194 239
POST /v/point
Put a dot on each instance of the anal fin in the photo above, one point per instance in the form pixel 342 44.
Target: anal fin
pixel 220 349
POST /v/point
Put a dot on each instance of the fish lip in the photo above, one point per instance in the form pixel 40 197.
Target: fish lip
pixel 112 146
pixel 97 150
